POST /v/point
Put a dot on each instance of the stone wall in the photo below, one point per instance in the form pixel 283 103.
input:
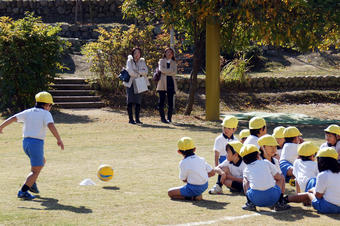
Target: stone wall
pixel 272 83
pixel 51 11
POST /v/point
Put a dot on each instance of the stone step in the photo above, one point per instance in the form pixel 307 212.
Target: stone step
pixel 61 92
pixel 58 99
pixel 69 81
pixel 97 104
pixel 71 86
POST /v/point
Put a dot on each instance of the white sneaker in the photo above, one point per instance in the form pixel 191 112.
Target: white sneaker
pixel 216 189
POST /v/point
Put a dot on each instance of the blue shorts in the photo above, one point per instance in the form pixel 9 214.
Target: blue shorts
pixel 264 198
pixel 310 184
pixel 285 166
pixel 322 206
pixel 191 190
pixel 222 158
pixel 34 149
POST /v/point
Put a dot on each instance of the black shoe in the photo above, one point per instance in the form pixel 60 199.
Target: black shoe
pixel 249 206
pixel 138 122
pixel 34 188
pixel 165 121
pixel 132 122
pixel 279 206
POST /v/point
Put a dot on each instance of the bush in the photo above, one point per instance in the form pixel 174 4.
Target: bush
pixel 29 56
pixel 109 53
pixel 236 70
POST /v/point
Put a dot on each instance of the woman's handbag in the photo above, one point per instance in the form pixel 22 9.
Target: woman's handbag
pixel 124 76
pixel 157 75
pixel 139 85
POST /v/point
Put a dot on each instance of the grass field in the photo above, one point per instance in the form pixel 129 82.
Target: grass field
pixel 146 165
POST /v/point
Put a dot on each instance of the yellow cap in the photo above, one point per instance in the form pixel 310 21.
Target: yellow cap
pixel 244 133
pixel 291 131
pixel 307 149
pixel 256 123
pixel 268 140
pixel 237 145
pixel 185 143
pixel 44 97
pixel 278 132
pixel 248 149
pixel 230 122
pixel 333 129
pixel 328 152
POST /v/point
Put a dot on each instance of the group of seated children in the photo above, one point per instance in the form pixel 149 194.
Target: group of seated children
pixel 259 165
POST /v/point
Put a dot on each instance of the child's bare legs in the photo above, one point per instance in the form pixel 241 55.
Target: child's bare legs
pixel 282 184
pixel 305 198
pixel 175 193
pixel 33 175
pixel 290 172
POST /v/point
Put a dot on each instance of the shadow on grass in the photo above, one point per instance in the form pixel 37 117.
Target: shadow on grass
pixel 294 214
pixel 52 204
pixel 62 117
pixel 333 216
pixel 114 188
pixel 165 126
pixel 209 204
pixel 193 127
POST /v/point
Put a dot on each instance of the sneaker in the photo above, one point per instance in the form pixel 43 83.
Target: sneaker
pixel 132 122
pixel 279 206
pixel 216 190
pixel 249 206
pixel 34 188
pixel 25 195
pixel 138 122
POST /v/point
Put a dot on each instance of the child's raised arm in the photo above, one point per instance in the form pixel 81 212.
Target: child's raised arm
pixel 55 133
pixel 8 122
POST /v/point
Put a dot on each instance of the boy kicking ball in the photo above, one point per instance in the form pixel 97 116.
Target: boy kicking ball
pixel 194 171
pixel 35 121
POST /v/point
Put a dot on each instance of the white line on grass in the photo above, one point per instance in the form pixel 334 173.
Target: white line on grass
pixel 227 218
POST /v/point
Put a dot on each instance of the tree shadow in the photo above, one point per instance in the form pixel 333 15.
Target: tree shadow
pixel 52 204
pixel 114 188
pixel 62 117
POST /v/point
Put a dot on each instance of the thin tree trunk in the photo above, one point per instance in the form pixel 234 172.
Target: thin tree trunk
pixel 196 65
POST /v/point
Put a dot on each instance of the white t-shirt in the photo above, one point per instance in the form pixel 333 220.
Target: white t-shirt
pixel 35 122
pixel 336 147
pixel 194 169
pixel 260 174
pixel 303 171
pixel 289 152
pixel 252 140
pixel 221 143
pixel 276 163
pixel 236 171
pixel 328 184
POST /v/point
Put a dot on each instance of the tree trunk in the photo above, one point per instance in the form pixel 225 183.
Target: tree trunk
pixel 196 65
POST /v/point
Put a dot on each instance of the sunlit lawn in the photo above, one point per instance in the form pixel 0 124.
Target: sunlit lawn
pixel 146 165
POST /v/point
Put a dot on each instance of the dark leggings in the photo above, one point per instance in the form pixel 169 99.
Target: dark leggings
pixel 161 104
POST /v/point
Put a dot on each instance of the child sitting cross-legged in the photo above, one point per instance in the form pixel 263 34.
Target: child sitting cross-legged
pixel 194 171
pixel 261 181
pixel 231 169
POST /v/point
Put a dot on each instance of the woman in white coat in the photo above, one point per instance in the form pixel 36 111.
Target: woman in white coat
pixel 167 85
pixel 136 67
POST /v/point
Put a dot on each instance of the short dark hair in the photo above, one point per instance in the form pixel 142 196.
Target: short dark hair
pixel 40 105
pixel 173 53
pixel 134 49
pixel 256 132
pixel 305 158
pixel 328 163
pixel 252 157
pixel 289 139
pixel 188 153
pixel 230 148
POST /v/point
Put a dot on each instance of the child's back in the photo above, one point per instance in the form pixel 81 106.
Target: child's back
pixel 304 171
pixel 328 183
pixel 195 170
pixel 289 152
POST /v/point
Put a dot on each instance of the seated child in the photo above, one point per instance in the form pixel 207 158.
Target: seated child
pixel 325 197
pixel 257 127
pixel 244 134
pixel 305 169
pixel 261 181
pixel 229 126
pixel 194 171
pixel 268 149
pixel 231 170
pixel 332 135
pixel 289 151
pixel 278 134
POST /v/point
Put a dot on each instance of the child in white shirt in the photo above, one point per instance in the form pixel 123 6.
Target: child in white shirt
pixel 278 134
pixel 231 169
pixel 229 126
pixel 194 171
pixel 35 120
pixel 243 135
pixel 305 169
pixel 332 136
pixel 257 128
